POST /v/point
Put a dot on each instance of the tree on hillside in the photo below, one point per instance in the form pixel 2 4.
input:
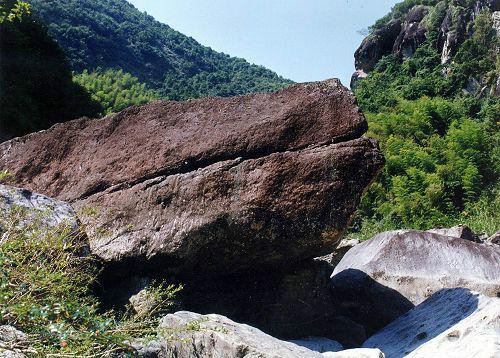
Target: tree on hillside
pixel 36 85
pixel 114 34
pixel 115 90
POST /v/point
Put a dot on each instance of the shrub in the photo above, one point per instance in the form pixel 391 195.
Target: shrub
pixel 46 292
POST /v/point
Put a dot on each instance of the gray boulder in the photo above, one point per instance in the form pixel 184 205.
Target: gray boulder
pixel 460 231
pixel 418 264
pixel 186 334
pixel 12 342
pixel 383 278
pixel 44 210
pixel 451 323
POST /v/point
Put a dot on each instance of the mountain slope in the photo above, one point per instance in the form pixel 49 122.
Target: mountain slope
pixel 36 86
pixel 428 81
pixel 114 34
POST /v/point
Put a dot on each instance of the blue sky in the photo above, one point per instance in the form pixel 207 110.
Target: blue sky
pixel 304 40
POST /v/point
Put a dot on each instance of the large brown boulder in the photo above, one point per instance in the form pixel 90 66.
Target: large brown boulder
pixel 215 185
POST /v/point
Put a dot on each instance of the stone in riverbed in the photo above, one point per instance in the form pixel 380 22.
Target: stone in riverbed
pixel 186 334
pixel 383 278
pixel 460 231
pixel 452 323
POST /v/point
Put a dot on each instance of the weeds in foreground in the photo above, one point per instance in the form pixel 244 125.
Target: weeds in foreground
pixel 45 291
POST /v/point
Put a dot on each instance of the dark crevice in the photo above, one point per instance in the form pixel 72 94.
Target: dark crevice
pixel 196 163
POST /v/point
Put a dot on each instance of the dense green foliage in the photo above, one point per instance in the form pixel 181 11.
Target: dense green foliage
pixel 46 292
pixel 11 10
pixel 114 34
pixel 36 83
pixel 115 90
pixel 441 143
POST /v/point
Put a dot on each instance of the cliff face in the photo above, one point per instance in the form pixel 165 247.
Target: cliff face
pixel 448 23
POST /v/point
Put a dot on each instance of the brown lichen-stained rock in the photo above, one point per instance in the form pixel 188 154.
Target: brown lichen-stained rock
pixel 210 184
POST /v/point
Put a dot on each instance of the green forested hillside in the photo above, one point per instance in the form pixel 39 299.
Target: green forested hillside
pixel 113 34
pixel 438 123
pixel 36 86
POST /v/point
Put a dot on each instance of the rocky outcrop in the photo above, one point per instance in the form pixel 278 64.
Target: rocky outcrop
pixel 376 45
pixel 451 323
pixel 413 32
pixel 401 36
pixel 186 334
pixel 213 185
pixel 383 278
pixel 12 342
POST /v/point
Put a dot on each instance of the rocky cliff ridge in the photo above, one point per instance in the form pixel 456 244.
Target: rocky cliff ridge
pixel 403 35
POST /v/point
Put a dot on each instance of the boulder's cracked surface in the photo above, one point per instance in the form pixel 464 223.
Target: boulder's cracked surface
pixel 208 185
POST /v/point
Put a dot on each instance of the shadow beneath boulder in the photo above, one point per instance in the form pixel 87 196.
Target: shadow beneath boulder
pixel 365 301
pixel 287 304
pixel 440 312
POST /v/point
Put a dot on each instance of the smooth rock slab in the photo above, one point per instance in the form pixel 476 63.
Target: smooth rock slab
pixel 417 264
pixel 356 353
pixel 186 334
pixel 383 278
pixel 452 323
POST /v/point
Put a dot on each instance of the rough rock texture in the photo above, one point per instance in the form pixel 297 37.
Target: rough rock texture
pixel 383 278
pixel 460 231
pixel 185 335
pixel 451 323
pixel 12 342
pixel 44 210
pixel 143 302
pixel 209 185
